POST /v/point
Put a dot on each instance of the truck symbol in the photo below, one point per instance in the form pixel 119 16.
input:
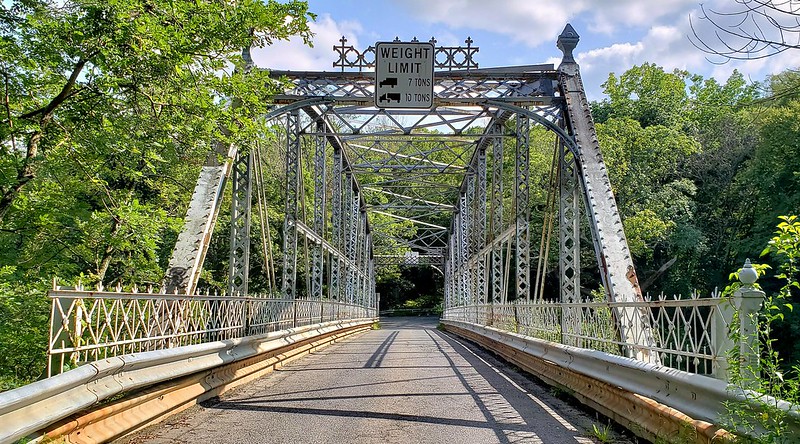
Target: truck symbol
pixel 389 81
pixel 390 97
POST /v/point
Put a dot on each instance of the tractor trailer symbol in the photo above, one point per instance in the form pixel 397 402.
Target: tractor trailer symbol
pixel 390 97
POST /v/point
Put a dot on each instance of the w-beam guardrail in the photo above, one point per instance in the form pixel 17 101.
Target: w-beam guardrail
pixel 110 397
pixel 576 346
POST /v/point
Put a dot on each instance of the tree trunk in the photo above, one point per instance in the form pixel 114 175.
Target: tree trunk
pixel 108 253
pixel 30 164
pixel 28 170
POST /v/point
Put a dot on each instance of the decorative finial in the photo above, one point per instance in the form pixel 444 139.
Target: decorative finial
pixel 567 42
pixel 748 275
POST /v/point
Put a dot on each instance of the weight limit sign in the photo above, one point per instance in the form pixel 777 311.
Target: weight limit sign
pixel 404 75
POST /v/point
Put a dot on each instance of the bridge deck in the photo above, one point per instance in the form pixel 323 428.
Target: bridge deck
pixel 404 383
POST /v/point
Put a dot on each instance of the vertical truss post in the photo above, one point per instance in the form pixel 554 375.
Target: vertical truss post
pixel 453 253
pixel 240 224
pixel 497 213
pixel 317 255
pixel 335 290
pixel 463 250
pixel 347 240
pixel 289 289
pixel 452 268
pixel 480 227
pixel 364 259
pixel 367 267
pixel 457 287
pixel 522 210
pixel 611 247
pixel 352 233
pixel 569 227
pixel 373 295
pixel 361 237
pixel 569 265
pixel 447 275
pixel 355 235
pixel 472 234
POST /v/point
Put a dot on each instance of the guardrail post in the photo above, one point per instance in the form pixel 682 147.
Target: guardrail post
pixel 247 315
pixel 294 313
pixel 721 338
pixel 748 301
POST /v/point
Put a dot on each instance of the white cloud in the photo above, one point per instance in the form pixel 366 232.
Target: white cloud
pixel 529 22
pixel 537 22
pixel 294 55
pixel 665 46
pixel 613 15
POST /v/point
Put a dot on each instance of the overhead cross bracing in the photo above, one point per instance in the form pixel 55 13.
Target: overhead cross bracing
pixel 411 164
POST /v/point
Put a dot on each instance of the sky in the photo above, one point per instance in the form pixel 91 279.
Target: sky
pixel 614 34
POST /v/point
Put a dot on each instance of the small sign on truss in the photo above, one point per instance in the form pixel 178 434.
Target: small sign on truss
pixel 404 75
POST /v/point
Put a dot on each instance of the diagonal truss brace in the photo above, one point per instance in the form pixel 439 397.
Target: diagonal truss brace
pixel 190 250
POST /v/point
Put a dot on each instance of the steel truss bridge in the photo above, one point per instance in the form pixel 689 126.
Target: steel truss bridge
pixel 424 186
pixel 447 187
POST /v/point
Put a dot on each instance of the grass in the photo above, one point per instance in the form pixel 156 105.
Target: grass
pixel 602 433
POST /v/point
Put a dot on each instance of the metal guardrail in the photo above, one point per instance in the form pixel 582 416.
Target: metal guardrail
pixel 693 397
pixel 88 326
pixel 34 407
pixel 689 332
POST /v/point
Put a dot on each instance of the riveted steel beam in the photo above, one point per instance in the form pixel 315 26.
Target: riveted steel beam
pixel 611 246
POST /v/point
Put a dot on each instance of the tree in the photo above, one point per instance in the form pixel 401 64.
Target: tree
pixel 108 110
pixel 151 60
pixel 648 94
pixel 754 29
pixel 673 142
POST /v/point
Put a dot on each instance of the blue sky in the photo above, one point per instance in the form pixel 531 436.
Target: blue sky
pixel 615 34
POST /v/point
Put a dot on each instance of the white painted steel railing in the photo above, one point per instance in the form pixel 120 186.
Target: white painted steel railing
pixel 87 326
pixel 690 333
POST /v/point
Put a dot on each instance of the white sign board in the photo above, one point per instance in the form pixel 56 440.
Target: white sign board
pixel 404 75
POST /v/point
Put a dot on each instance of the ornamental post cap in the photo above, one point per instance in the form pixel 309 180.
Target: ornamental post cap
pixel 567 42
pixel 748 274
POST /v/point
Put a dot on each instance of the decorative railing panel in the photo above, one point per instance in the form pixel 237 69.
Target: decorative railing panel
pixel 689 332
pixel 445 57
pixel 87 326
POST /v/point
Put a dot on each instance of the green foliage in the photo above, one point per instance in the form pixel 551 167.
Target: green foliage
pixel 110 109
pixel 683 148
pixel 761 419
pixel 649 95
pixel 24 321
pixel 602 433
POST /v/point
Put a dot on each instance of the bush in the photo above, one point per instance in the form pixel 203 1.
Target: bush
pixel 24 330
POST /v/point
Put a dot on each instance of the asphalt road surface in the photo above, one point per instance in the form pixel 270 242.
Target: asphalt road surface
pixel 404 383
